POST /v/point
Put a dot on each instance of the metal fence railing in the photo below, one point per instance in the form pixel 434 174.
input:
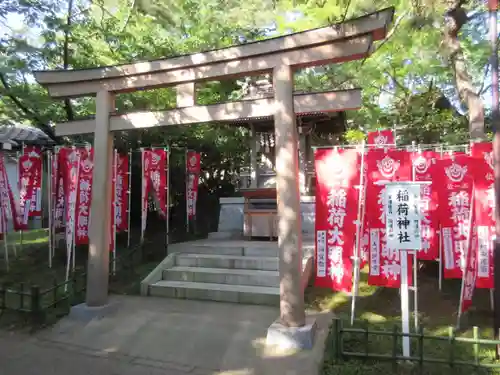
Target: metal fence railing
pixel 368 343
pixel 35 304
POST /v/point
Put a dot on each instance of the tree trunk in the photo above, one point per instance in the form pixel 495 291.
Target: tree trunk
pixel 456 17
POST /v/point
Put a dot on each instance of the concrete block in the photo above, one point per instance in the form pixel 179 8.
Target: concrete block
pixel 292 338
pixel 216 292
pixel 85 313
pixel 217 250
pixel 271 251
pixel 231 215
pixel 227 261
pixel 157 273
pixel 226 235
pixel 222 276
pixel 257 263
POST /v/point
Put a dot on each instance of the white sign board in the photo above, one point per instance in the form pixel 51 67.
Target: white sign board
pixel 402 210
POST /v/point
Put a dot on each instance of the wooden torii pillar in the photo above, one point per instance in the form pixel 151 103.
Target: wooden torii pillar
pixel 343 42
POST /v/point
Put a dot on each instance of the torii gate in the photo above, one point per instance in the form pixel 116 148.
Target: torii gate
pixel 280 56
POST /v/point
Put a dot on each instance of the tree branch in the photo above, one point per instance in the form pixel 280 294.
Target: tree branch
pixel 127 20
pixel 486 71
pixel 26 111
pixel 346 10
pixel 485 89
pixel 390 33
pixel 396 82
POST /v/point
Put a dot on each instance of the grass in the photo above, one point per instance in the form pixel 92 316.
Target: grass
pixel 29 238
pixel 380 309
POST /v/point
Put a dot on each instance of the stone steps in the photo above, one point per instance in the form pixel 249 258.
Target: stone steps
pixel 245 294
pixel 250 251
pixel 227 261
pixel 219 271
pixel 233 276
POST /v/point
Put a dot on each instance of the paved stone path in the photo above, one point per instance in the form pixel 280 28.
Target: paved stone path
pixel 153 336
pixel 25 355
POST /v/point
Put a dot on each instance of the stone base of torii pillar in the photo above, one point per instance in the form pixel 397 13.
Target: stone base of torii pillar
pixel 86 313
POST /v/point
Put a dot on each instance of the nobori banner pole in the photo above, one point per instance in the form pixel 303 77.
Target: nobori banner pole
pixel 167 200
pixel 186 188
pixel 440 261
pixel 53 194
pixel 405 311
pixel 415 260
pixel 415 289
pixel 73 257
pixel 74 211
pixel 39 193
pixel 357 262
pixel 129 192
pixel 143 197
pixel 49 200
pixel 463 264
pixel 115 167
pixel 70 248
pixel 466 255
pixel 5 243
pixel 26 202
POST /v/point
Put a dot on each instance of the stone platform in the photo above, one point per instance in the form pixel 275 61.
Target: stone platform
pixel 231 216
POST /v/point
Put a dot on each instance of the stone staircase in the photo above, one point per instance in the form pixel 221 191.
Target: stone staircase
pixel 246 275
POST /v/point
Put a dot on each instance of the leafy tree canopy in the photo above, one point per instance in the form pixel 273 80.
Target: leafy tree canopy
pixel 436 52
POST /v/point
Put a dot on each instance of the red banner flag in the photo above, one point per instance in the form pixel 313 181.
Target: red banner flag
pixel 119 202
pixel 58 190
pixel 364 242
pixel 30 167
pixel 193 166
pixel 423 165
pixel 10 210
pixel 381 138
pixel 114 203
pixel 154 175
pixel 337 177
pixel 84 195
pixel 484 211
pixel 385 265
pixel 454 186
pixel 70 168
pixel 470 273
pixel 122 181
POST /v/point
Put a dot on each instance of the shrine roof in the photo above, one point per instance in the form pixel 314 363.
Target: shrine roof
pixel 19 134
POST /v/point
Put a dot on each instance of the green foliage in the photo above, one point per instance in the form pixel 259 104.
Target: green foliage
pixel 402 82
